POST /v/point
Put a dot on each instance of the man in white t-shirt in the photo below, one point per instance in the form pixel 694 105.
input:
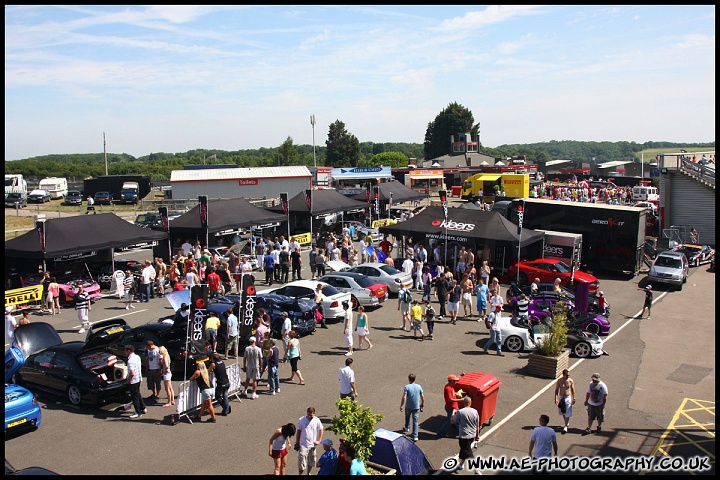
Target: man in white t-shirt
pixel 309 435
pixel 363 254
pixel 408 265
pixel 346 375
pixel 187 248
pixel 285 333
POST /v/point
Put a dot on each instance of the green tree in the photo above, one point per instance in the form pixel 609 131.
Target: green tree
pixel 356 426
pixel 454 120
pixel 556 341
pixel 388 159
pixel 288 153
pixel 343 148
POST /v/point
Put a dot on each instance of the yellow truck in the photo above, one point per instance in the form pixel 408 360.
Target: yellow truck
pixel 483 185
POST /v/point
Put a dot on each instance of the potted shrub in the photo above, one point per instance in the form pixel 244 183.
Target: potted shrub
pixel 356 427
pixel 550 357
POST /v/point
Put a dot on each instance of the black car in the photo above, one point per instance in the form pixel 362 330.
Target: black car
pixel 173 337
pixel 301 312
pixel 103 198
pixel 38 196
pixel 73 197
pixel 16 199
pixel 84 372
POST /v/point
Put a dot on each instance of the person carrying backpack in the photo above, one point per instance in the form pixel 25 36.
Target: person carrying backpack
pixel 404 301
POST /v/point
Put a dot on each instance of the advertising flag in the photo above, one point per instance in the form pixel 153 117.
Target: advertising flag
pixel 284 202
pixel 443 200
pixel 164 216
pixel 367 192
pixel 40 227
pixel 198 314
pixel 248 313
pixel 376 192
pixel 308 198
pixel 203 199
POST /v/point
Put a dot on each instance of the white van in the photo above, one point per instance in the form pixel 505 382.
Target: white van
pixel 57 187
pixel 645 194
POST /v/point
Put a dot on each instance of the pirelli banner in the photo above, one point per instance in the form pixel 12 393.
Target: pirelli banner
pixel 22 296
pixel 198 314
pixel 302 238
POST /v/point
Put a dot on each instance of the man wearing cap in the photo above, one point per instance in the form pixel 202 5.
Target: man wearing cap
pixel 648 301
pixel 327 463
pixel 251 365
pixel 595 399
pixel 451 403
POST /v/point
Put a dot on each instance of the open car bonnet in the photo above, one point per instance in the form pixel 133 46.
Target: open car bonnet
pixel 338 266
pixel 29 338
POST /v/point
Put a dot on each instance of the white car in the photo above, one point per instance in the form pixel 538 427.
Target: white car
pixel 380 272
pixel 224 254
pixel 516 338
pixel 332 306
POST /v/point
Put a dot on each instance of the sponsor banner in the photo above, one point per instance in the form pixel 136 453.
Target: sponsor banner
pixel 383 222
pixel 247 182
pixel 284 202
pixel 164 216
pixel 302 238
pixel 21 296
pixel 453 225
pixel 248 313
pixel 448 238
pixel 40 227
pixel 198 314
pixel 308 198
pixel 75 256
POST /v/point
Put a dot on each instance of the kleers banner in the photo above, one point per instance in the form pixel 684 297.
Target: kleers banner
pixel 198 314
pixel 21 296
pixel 248 312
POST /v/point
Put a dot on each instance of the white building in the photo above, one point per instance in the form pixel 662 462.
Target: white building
pixel 257 182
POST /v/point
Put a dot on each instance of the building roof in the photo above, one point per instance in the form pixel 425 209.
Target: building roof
pixel 614 163
pixel 221 174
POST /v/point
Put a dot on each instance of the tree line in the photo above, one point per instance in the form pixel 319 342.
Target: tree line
pixel 342 149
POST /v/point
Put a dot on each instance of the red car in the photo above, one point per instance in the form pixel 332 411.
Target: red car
pixel 547 270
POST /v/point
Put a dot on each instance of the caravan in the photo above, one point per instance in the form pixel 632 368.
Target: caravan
pixel 14 182
pixel 55 186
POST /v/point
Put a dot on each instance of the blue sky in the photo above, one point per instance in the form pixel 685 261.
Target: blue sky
pixel 176 78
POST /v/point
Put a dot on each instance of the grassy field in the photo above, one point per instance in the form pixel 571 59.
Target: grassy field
pixel 650 153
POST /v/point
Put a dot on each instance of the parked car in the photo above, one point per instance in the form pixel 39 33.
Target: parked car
pixel 670 268
pixel 103 198
pixel 380 272
pixel 332 306
pixel 38 196
pixel 517 337
pixel 541 308
pixel 301 311
pixel 22 411
pixel 73 197
pixel 648 205
pixel 547 270
pixel 68 282
pixel 697 254
pixel 363 290
pixel 172 337
pixel 84 372
pixel 16 200
pixel 547 289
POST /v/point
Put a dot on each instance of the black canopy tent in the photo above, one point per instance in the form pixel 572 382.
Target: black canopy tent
pixel 222 215
pixel 469 228
pixel 399 192
pixel 79 236
pixel 323 202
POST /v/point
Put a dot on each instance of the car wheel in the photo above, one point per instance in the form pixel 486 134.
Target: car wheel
pixel 593 328
pixel 73 395
pixel 354 302
pixel 679 287
pixel 582 349
pixel 513 344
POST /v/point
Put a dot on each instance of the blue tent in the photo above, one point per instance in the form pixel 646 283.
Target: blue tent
pixel 397 451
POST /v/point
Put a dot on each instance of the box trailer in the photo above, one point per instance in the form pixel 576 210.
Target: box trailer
pixel 483 185
pixel 612 235
pixel 563 246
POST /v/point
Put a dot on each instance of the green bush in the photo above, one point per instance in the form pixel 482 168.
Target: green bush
pixel 356 426
pixel 556 341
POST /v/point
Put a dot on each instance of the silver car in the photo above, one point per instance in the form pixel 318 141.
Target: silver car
pixel 380 272
pixel 670 268
pixel 364 290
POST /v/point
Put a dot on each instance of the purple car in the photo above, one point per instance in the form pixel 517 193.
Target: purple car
pixel 541 308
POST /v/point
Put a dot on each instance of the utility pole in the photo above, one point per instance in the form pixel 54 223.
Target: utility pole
pixel 105 153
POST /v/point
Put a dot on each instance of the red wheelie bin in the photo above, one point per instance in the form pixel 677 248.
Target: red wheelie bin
pixel 482 388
